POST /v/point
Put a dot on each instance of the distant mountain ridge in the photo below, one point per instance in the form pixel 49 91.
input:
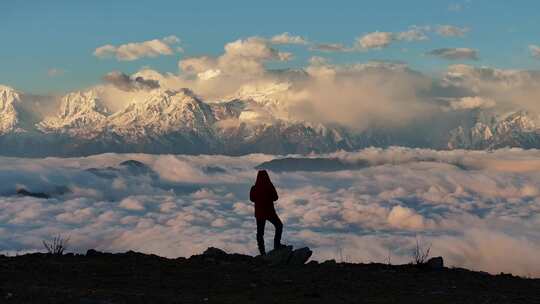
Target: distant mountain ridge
pixel 251 121
pixel 514 130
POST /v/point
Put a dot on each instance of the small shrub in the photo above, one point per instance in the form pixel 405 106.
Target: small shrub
pixel 388 258
pixel 420 253
pixel 57 246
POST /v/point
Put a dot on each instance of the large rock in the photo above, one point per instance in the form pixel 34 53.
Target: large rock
pixel 287 256
pixel 279 256
pixel 214 252
pixel 93 253
pixel 300 256
pixel 435 263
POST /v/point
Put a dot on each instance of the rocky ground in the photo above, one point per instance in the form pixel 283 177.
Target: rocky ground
pixel 217 277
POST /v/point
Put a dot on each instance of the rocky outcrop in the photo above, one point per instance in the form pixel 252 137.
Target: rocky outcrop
pixel 436 263
pixel 287 256
pixel 284 256
pixel 216 276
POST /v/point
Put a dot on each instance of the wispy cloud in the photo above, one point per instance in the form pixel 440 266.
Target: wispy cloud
pixel 136 50
pixel 452 31
pixel 55 72
pixel 456 7
pixel 415 33
pixel 287 38
pixel 535 51
pixel 330 47
pixel 455 53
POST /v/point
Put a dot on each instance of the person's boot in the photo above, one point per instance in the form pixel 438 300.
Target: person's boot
pixel 278 246
pixel 261 248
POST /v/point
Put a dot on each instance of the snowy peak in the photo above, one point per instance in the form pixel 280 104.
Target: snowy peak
pixel 79 111
pixel 265 101
pixel 9 117
pixel 8 96
pixel 165 111
pixel 518 121
pixel 81 103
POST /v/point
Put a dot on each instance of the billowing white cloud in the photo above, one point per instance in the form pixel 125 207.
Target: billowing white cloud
pixel 242 57
pixel 472 206
pixel 455 53
pixel 452 31
pixel 405 218
pixel 510 89
pixel 535 51
pixel 136 50
pixel 375 40
pixel 370 94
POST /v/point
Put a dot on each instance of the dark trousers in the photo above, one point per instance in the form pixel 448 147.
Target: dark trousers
pixel 274 219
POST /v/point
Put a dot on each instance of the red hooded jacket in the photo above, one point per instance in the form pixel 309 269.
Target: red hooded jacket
pixel 264 197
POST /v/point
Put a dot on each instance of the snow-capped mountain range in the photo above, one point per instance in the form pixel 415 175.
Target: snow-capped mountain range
pixel 517 129
pixel 250 121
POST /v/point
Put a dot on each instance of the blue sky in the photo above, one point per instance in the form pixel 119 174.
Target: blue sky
pixel 38 36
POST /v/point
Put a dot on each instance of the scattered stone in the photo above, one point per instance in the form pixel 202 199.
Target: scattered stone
pixel 300 256
pixel 214 252
pixel 279 256
pixel 435 263
pixel 93 253
pixel 313 263
pixel 329 262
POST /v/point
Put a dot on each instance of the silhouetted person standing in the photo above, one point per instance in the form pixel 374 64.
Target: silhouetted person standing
pixel 264 194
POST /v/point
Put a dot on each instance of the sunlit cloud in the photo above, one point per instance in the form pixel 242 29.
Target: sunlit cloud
pixel 375 40
pixel 452 31
pixel 136 50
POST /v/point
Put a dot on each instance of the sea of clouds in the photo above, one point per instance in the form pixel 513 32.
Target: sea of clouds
pixel 479 210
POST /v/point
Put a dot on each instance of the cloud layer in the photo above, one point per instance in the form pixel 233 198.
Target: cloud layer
pixel 477 209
